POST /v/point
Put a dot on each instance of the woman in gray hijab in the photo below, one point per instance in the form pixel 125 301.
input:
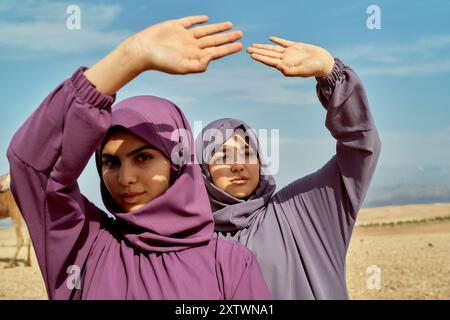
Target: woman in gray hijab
pixel 300 234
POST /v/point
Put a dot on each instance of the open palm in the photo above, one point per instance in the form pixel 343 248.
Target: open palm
pixel 293 59
pixel 173 48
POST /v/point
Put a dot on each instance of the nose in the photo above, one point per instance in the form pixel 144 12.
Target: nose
pixel 237 167
pixel 126 176
pixel 239 161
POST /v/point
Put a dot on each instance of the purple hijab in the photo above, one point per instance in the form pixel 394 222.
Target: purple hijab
pixel 164 250
pixel 301 233
pixel 177 219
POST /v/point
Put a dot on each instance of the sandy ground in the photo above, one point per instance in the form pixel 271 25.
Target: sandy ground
pixel 402 213
pixel 20 282
pixel 412 262
pixel 407 261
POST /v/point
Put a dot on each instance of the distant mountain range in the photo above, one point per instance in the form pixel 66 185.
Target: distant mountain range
pixel 409 184
pixel 407 194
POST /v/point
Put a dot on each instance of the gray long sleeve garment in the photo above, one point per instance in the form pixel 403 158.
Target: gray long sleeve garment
pixel 301 234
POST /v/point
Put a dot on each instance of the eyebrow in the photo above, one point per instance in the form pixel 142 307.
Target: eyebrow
pixel 225 148
pixel 132 152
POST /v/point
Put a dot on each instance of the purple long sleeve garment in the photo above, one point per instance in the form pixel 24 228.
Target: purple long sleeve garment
pixel 164 250
pixel 300 234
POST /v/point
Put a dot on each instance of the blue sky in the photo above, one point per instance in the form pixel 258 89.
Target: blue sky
pixel 405 67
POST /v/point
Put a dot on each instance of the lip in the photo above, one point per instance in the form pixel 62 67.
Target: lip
pixel 239 180
pixel 131 197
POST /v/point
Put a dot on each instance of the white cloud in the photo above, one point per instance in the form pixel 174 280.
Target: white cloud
pixel 426 55
pixel 255 84
pixel 30 29
pixel 422 45
pixel 93 15
pixel 415 149
pixel 49 37
pixel 403 69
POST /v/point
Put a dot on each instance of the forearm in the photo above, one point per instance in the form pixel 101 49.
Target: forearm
pixel 351 123
pixel 72 118
pixel 116 69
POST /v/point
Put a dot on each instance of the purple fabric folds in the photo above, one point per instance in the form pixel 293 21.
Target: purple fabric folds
pixel 164 250
pixel 301 233
pixel 180 218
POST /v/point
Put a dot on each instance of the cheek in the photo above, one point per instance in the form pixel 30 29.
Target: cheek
pixel 157 177
pixel 109 180
pixel 219 173
pixel 158 180
pixel 253 170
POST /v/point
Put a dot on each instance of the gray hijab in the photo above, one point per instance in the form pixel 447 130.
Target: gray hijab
pixel 230 213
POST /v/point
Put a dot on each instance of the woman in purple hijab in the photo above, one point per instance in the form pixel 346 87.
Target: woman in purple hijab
pixel 160 244
pixel 301 233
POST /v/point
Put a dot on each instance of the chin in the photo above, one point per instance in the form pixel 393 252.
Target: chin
pixel 240 195
pixel 134 208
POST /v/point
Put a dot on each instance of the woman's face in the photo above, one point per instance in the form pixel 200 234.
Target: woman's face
pixel 134 172
pixel 235 168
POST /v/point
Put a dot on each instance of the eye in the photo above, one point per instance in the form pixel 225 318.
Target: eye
pixel 110 162
pixel 228 156
pixel 250 153
pixel 218 158
pixel 142 157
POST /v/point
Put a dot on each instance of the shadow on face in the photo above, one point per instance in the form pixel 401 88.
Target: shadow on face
pixel 133 171
pixel 235 167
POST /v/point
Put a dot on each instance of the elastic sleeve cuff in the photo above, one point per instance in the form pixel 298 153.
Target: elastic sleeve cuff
pixel 330 80
pixel 88 93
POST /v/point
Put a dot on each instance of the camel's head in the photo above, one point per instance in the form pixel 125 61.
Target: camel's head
pixel 5 181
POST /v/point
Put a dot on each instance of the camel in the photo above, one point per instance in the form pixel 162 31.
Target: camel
pixel 9 208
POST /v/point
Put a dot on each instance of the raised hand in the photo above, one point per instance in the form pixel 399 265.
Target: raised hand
pixel 293 59
pixel 168 47
pixel 171 47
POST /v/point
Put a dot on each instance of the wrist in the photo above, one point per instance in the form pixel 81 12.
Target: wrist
pixel 115 70
pixel 131 57
pixel 327 68
pixel 335 75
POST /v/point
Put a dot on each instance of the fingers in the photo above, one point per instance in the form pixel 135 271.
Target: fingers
pixel 220 39
pixel 214 53
pixel 264 52
pixel 282 42
pixel 270 47
pixel 191 20
pixel 271 62
pixel 204 31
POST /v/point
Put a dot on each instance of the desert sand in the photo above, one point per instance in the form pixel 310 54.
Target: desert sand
pixel 389 257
